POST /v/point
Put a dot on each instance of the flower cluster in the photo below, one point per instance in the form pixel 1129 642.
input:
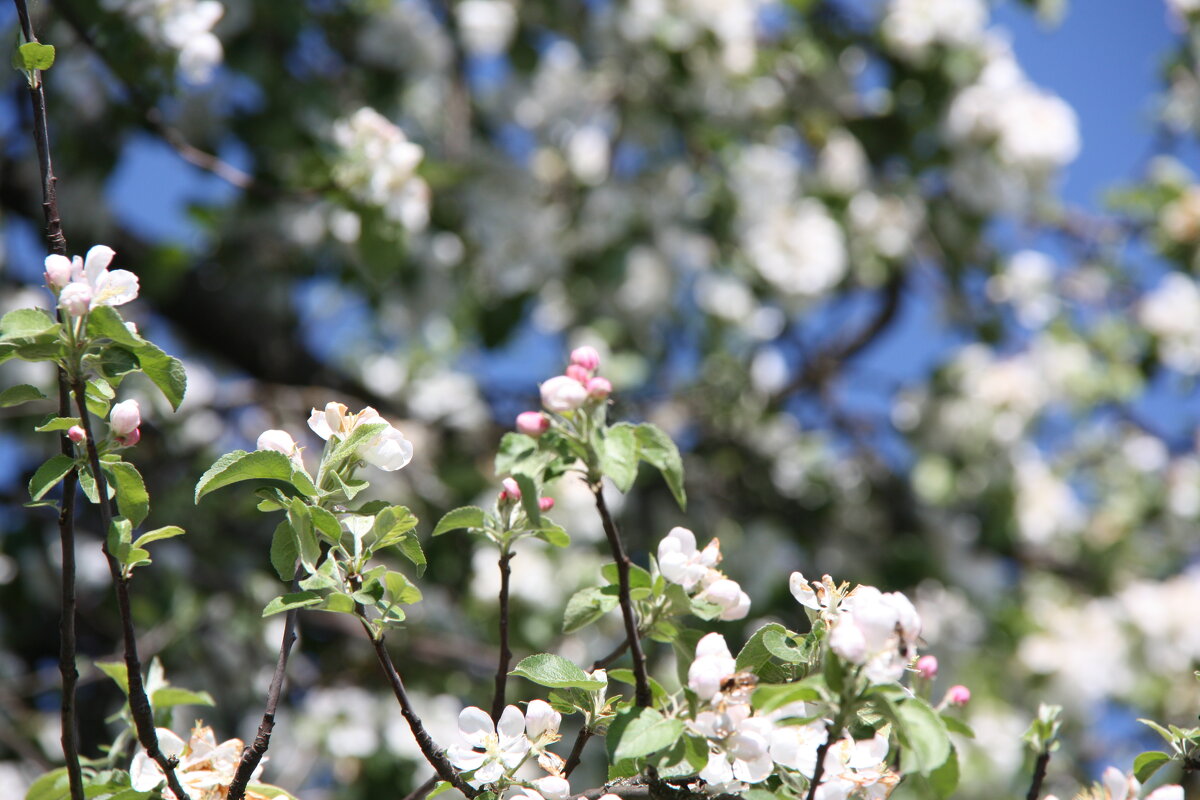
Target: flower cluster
pixel 205 768
pixel 495 750
pixel 565 393
pixel 1115 785
pixel 868 628
pixel 378 165
pixel 181 25
pixel 695 570
pixel 84 283
pixel 389 449
pixel 745 747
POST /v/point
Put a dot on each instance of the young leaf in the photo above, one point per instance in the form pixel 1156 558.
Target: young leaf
pixel 392 525
pixel 925 736
pixel 1146 764
pixel 117 671
pixel 28 324
pixel 274 468
pixel 639 732
pixel 169 696
pixel 347 448
pixel 295 600
pixel 284 551
pixel 21 393
pixel 466 517
pixel 57 424
pixel 554 671
pixel 132 499
pixel 658 450
pixel 35 55
pixel 120 540
pixel 784 647
pixel 553 534
pixel 411 549
pixel 166 532
pixel 326 524
pixel 165 372
pixel 639 578
pixel 754 654
pixel 619 455
pixel 300 517
pixel 770 697
pixel 47 476
pixel 585 607
pixel 529 498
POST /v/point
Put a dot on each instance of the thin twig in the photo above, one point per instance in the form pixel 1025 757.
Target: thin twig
pixel 253 754
pixel 433 754
pixel 139 703
pixel 424 789
pixel 505 653
pixel 1039 775
pixel 819 770
pixel 617 652
pixel 577 751
pixel 642 694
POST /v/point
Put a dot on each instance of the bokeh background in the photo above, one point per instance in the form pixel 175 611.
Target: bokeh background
pixel 912 282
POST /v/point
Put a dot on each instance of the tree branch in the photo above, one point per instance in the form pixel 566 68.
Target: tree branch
pixel 422 790
pixel 577 751
pixel 1039 775
pixel 253 754
pixel 505 653
pixel 433 754
pixel 139 703
pixel 642 693
pixel 617 652
pixel 819 770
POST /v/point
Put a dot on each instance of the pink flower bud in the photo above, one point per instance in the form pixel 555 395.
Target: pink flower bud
pixel 130 439
pixel 576 372
pixel 562 394
pixel 76 299
pixel 533 423
pixel 586 357
pixel 58 271
pixel 927 667
pixel 511 490
pixel 77 434
pixel 958 695
pixel 125 418
pixel 599 388
pixel 546 503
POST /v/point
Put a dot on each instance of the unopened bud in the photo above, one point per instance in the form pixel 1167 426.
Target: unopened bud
pixel 58 271
pixel 586 357
pixel 599 388
pixel 578 373
pixel 546 503
pixel 76 299
pixel 77 434
pixel 958 695
pixel 533 423
pixel 927 667
pixel 511 490
pixel 125 417
pixel 130 439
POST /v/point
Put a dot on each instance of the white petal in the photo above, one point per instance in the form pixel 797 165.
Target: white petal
pixel 115 288
pixel 389 450
pixel 755 770
pixel 170 743
pixel 465 758
pixel 319 424
pixel 144 774
pixel 476 726
pixel 712 645
pixel 97 261
pixel 553 787
pixel 489 772
pixel 803 593
pixel 541 719
pixel 512 723
pixel 1172 792
pixel 686 540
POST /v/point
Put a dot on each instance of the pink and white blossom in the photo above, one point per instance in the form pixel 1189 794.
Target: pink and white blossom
pixel 562 394
pixel 388 449
pixel 87 282
pixel 125 419
pixel 280 442
pixel 586 357
pixel 679 560
pixel 533 423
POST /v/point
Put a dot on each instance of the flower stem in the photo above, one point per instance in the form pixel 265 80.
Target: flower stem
pixel 253 754
pixel 139 703
pixel 433 754
pixel 642 694
pixel 505 652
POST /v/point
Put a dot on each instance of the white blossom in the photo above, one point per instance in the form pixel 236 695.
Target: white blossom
pixel 1171 311
pixel 388 449
pixel 713 663
pixel 493 750
pixel 911 28
pixel 378 165
pixel 679 560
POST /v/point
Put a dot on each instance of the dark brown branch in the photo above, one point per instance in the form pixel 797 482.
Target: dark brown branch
pixel 139 703
pixel 614 654
pixel 1039 775
pixel 424 789
pixel 642 694
pixel 433 754
pixel 819 770
pixel 41 136
pixel 505 652
pixel 253 754
pixel 577 751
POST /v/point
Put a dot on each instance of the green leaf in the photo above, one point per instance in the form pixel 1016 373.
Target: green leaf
pixel 639 732
pixel 554 671
pixel 88 484
pixel 400 589
pixel 771 697
pixel 300 517
pixel 47 476
pixel 273 792
pixel 35 55
pixel 21 393
pixel 284 551
pixel 165 532
pixel 26 324
pixel 165 372
pixel 1146 764
pixel 784 647
pixel 754 653
pixel 518 452
pixel 347 449
pixel 120 540
pixel 956 725
pixel 294 600
pixel 132 499
pixel 411 549
pixel 169 696
pixel 274 468
pixel 54 785
pixel 585 607
pixel 686 757
pixel 624 675
pixel 439 787
pixel 619 455
pixel 944 779
pixel 638 577
pixel 115 670
pixel 925 736
pixel 326 524
pixel 57 424
pixel 392 525
pixel 553 534
pixel 466 517
pixel 659 450
pixel 529 498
